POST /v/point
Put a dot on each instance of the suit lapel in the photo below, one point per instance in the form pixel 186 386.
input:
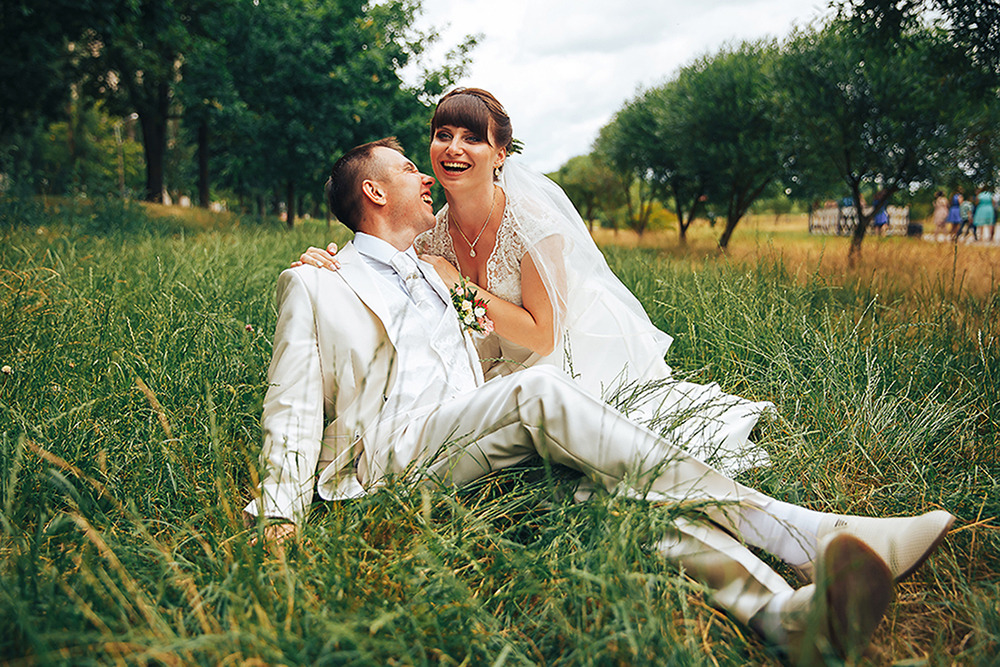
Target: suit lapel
pixel 361 278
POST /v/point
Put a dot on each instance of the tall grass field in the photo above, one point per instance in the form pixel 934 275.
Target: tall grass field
pixel 133 354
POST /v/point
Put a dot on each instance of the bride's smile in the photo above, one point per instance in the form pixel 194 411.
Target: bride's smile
pixel 458 153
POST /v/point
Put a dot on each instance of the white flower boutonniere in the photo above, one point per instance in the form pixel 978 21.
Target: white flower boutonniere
pixel 471 309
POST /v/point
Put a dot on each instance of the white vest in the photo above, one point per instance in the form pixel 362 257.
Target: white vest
pixel 432 366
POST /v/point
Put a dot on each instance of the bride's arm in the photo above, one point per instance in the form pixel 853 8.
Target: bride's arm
pixel 323 259
pixel 530 325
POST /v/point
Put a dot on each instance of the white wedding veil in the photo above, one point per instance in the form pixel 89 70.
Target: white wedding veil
pixel 604 338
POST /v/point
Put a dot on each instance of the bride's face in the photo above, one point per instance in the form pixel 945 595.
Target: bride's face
pixel 460 157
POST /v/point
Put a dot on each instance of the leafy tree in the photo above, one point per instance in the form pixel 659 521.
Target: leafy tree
pixel 207 93
pixel 678 170
pixel 973 25
pixel 623 145
pixel 879 115
pixel 317 77
pixel 135 58
pixel 89 152
pixel 589 184
pixel 727 113
pixel 710 135
pixel 38 59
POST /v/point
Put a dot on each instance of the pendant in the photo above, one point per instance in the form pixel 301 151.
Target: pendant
pixel 472 253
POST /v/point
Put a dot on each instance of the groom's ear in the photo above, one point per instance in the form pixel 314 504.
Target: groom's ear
pixel 374 192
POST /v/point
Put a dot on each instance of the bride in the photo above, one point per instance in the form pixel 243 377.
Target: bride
pixel 550 294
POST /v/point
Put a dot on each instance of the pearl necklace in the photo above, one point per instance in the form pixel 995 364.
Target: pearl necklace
pixel 472 244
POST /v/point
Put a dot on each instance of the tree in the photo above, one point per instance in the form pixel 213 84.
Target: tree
pixel 318 77
pixel 135 57
pixel 38 59
pixel 623 145
pixel 589 184
pixel 207 93
pixel 711 134
pixel 878 114
pixel 679 172
pixel 973 25
pixel 726 109
pixel 973 28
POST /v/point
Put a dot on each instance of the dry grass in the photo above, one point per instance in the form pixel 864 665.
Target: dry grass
pixel 919 268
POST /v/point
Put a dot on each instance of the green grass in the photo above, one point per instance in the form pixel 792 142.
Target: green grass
pixel 129 432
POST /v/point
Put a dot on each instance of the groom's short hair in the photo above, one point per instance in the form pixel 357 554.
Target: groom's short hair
pixel 343 188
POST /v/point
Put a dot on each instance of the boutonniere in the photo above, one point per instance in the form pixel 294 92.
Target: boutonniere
pixel 471 309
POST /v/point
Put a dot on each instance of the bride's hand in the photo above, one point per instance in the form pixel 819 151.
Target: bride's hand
pixel 448 273
pixel 320 258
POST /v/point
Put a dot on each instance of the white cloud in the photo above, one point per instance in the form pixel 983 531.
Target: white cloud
pixel 562 68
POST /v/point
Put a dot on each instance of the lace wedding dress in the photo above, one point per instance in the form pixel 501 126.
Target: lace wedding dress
pixel 604 339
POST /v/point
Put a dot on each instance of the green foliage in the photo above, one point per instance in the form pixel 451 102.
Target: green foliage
pixel 90 153
pixel 268 92
pixel 129 434
pixel 314 79
pixel 37 61
pixel 730 121
pixel 876 115
pixel 623 144
pixel 710 136
pixel 884 97
pixel 973 25
pixel 589 184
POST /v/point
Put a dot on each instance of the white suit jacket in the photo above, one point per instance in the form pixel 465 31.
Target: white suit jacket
pixel 331 371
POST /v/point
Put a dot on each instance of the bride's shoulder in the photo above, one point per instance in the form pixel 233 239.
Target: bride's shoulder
pixel 534 217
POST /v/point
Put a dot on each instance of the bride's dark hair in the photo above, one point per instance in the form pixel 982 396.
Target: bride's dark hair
pixel 474 109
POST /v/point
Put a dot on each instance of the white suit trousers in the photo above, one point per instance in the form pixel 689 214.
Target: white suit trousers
pixel 541 411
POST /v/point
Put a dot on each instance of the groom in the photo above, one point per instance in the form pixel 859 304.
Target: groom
pixel 372 375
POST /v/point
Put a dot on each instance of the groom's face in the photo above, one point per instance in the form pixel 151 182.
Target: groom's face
pixel 407 191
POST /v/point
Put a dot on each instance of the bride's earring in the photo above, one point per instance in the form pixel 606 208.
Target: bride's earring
pixel 496 172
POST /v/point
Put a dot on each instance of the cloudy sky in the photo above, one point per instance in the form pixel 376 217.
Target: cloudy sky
pixel 562 68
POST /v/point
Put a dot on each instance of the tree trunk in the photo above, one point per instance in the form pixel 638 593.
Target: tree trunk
pixel 153 120
pixel 858 235
pixel 728 232
pixel 682 227
pixel 203 194
pixel 590 219
pixel 290 204
pixel 71 121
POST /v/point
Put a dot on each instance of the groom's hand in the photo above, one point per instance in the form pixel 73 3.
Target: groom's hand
pixel 274 535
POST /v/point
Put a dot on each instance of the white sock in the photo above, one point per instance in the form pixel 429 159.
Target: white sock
pixel 787 531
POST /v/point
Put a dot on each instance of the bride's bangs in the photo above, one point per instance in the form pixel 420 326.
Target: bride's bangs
pixel 465 111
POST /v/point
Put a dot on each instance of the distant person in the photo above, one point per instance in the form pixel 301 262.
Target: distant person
pixel 985 216
pixel 940 215
pixel 881 207
pixel 955 212
pixel 967 210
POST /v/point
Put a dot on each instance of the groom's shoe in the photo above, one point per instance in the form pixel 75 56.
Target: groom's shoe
pixel 904 543
pixel 839 613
